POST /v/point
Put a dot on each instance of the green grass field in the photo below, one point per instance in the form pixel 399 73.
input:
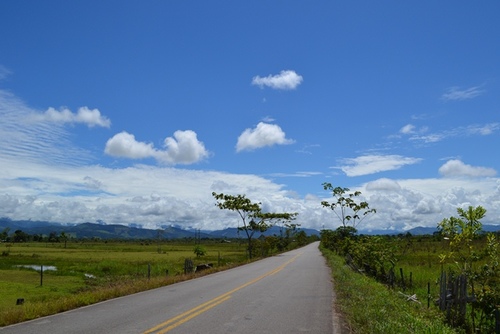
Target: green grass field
pixel 89 272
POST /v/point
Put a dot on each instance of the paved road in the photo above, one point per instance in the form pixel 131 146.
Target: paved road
pixel 288 293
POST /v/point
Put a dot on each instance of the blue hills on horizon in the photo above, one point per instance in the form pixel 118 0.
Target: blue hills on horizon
pixel 116 231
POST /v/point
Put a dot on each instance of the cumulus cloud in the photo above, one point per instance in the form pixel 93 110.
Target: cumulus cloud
pixel 84 115
pixel 263 135
pixel 383 184
pixel 370 164
pixel 285 80
pixel 456 168
pixel 183 148
pixel 458 94
pixel 155 196
pixel 124 145
pixel 149 195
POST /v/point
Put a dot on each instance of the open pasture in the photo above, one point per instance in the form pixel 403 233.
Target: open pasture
pixel 87 272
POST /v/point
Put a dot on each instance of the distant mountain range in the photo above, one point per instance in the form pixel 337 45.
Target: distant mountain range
pixel 116 231
pixel 420 230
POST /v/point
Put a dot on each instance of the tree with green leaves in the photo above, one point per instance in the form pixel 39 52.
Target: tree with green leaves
pixel 464 234
pixel 247 210
pixel 64 238
pixel 301 238
pixel 252 218
pixel 20 236
pixel 349 211
pixel 461 231
pixel 4 234
pixel 287 228
pixel 199 251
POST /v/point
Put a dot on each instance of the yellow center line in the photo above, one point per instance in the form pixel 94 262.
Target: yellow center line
pixel 196 311
pixel 191 316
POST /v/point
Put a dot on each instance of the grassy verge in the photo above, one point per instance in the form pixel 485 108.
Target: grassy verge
pixel 369 307
pixel 50 303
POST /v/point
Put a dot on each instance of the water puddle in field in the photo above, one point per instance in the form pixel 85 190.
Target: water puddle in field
pixel 37 267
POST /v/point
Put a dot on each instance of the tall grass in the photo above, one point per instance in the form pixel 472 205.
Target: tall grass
pixel 370 307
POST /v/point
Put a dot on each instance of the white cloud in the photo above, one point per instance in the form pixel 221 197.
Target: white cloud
pixel 370 164
pixel 383 185
pixel 425 202
pixel 154 196
pixel 124 145
pixel 89 117
pixel 407 129
pixel 430 138
pixel 4 72
pixel 296 174
pixel 457 94
pixel 26 139
pixel 263 135
pixel 284 80
pixel 483 130
pixel 456 168
pixel 183 148
pixel 420 135
pixel 148 195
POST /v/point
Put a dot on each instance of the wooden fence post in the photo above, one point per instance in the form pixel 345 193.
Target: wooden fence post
pixel 497 321
pixel 402 279
pixel 442 291
pixel 428 294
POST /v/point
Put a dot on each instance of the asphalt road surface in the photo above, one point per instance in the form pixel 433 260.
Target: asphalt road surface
pixel 287 293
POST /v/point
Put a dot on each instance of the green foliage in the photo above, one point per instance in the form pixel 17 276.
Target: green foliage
pixel 252 218
pixel 301 238
pixel 369 307
pixel 348 210
pixel 339 240
pixel 199 251
pixel 4 234
pixel 461 233
pixel 20 236
pixel 461 249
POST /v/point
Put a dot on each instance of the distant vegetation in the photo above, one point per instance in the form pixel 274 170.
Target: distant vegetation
pixel 254 220
pixel 455 271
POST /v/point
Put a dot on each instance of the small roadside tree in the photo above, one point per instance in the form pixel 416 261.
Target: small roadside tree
pixel 64 238
pixel 461 232
pixel 464 233
pixel 252 217
pixel 349 211
pixel 247 210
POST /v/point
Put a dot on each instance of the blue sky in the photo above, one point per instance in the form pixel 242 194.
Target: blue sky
pixel 134 112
